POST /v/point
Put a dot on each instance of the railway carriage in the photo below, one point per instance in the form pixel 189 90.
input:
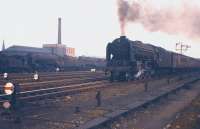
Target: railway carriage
pixel 128 59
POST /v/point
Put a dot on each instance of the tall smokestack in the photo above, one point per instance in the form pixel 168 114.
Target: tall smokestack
pixel 3 46
pixel 59 30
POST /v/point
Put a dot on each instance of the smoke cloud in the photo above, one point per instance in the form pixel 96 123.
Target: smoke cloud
pixel 123 11
pixel 182 19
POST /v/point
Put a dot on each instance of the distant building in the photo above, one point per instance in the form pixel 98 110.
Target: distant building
pixel 91 61
pixel 56 49
pixel 70 51
pixel 60 49
pixel 24 50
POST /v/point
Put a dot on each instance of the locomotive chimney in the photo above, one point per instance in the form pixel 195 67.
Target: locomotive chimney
pixel 59 30
pixel 122 37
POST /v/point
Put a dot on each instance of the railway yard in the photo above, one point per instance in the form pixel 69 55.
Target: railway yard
pixel 96 78
pixel 87 100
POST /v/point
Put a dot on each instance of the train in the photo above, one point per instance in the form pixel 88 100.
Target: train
pixel 129 60
pixel 29 63
pixel 32 62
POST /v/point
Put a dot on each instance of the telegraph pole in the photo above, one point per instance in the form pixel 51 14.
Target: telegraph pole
pixel 182 47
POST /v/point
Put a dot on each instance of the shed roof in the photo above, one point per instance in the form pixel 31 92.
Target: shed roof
pixel 17 48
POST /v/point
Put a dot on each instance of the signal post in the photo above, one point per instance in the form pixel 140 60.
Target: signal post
pixel 11 102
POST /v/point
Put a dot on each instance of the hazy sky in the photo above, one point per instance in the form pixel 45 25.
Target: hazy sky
pixel 87 25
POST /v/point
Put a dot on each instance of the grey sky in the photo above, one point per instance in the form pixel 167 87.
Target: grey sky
pixel 87 25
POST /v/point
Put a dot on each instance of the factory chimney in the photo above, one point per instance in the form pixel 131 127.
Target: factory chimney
pixel 59 30
pixel 3 46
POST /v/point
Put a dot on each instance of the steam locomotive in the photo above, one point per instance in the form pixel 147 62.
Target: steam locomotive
pixel 128 59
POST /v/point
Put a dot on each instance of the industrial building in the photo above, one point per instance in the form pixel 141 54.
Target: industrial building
pixel 48 58
pixel 70 51
pixel 24 50
pixel 58 49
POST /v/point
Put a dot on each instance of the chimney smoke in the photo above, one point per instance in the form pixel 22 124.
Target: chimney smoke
pixel 122 13
pixel 180 19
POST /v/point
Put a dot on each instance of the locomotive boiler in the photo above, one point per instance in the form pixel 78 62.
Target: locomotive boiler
pixel 128 59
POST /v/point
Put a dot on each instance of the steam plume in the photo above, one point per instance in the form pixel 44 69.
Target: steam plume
pixel 122 12
pixel 183 19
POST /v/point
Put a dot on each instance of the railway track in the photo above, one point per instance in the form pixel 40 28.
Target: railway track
pixel 69 81
pixel 109 118
pixel 44 74
pixel 49 89
pixel 57 81
pixel 51 76
pixel 49 93
pixel 56 77
pixel 34 95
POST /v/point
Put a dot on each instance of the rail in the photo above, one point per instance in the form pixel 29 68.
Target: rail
pixel 55 91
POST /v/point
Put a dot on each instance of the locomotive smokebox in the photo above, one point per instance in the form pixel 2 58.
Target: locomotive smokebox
pixel 123 37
